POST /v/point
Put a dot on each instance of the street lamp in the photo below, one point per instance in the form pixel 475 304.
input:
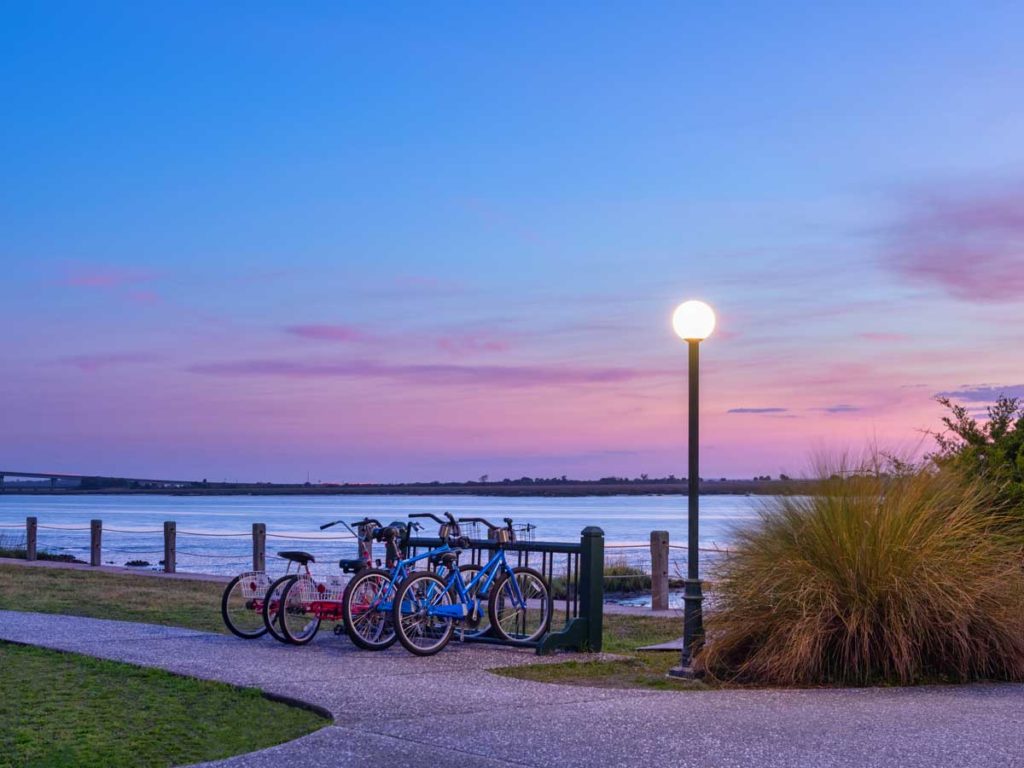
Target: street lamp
pixel 693 322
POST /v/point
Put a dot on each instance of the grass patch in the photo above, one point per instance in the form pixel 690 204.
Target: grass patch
pixel 61 709
pixel 174 602
pixel 641 670
pixel 196 605
pixel 623 634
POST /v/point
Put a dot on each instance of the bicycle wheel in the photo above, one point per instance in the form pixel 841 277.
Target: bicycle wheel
pixel 272 606
pixel 241 605
pixel 520 615
pixel 469 629
pixel 366 610
pixel 419 629
pixel 298 623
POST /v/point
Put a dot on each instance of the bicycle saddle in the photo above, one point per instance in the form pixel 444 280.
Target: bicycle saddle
pixel 351 566
pixel 302 558
pixel 446 558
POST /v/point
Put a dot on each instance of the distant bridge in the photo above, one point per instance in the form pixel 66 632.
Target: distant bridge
pixel 54 477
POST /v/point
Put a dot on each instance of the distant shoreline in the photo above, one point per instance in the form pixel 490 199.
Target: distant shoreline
pixel 512 489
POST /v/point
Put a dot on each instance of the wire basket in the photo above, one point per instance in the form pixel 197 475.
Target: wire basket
pixel 475 531
pixel 254 584
pixel 523 531
pixel 311 589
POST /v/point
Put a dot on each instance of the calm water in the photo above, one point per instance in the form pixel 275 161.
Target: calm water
pixel 214 533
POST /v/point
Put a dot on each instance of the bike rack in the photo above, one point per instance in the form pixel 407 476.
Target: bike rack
pixel 575 572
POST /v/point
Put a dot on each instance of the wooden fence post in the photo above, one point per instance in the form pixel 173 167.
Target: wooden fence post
pixel 170 547
pixel 31 525
pixel 259 546
pixel 659 570
pixel 95 541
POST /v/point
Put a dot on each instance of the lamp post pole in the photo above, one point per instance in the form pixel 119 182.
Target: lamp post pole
pixel 694 321
pixel 693 619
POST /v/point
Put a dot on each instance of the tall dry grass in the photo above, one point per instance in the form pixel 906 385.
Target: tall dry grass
pixel 870 579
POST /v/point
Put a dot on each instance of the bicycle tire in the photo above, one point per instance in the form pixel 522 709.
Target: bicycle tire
pixel 235 586
pixel 409 626
pixel 276 588
pixel 302 627
pixel 366 630
pixel 524 630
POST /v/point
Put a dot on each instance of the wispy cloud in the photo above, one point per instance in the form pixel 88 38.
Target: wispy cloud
pixel 105 277
pixel 971 245
pixel 92 363
pixel 840 408
pixel 878 336
pixel 757 410
pixel 985 393
pixel 326 332
pixel 475 375
pixel 459 345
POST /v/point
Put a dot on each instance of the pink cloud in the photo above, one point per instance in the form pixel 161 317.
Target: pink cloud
pixel 972 246
pixel 324 332
pixel 469 344
pixel 474 375
pixel 144 297
pixel 92 363
pixel 873 336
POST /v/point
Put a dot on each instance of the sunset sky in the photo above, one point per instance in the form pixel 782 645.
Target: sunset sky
pixel 436 241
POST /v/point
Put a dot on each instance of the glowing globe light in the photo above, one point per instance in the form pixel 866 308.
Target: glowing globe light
pixel 693 320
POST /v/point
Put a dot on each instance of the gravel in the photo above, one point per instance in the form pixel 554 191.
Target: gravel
pixel 394 709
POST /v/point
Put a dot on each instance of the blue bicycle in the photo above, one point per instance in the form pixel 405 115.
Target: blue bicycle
pixel 428 606
pixel 367 603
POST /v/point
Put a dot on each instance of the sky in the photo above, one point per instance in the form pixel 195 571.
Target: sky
pixel 407 241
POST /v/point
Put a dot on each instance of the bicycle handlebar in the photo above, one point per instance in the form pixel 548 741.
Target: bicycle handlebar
pixel 488 523
pixel 431 515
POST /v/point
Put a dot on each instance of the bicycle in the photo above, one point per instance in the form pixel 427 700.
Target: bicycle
pixel 366 608
pixel 324 597
pixel 305 602
pixel 427 606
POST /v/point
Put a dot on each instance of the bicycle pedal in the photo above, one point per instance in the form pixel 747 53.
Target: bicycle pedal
pixel 339 629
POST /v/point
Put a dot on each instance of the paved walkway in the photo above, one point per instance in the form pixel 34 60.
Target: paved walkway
pixel 397 710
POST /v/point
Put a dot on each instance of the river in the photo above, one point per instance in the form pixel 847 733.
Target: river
pixel 214 532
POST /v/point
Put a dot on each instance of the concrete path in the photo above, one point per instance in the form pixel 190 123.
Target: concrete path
pixel 394 709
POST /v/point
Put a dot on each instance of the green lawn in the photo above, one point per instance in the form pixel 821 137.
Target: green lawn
pixel 622 636
pixel 196 604
pixel 60 709
pixel 176 602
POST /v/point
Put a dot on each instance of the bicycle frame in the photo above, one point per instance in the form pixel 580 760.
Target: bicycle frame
pixel 479 583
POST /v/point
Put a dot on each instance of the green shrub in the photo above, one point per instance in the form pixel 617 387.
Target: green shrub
pixel 992 450
pixel 15 548
pixel 619 576
pixel 870 578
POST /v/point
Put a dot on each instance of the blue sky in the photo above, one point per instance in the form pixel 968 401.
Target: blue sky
pixel 404 242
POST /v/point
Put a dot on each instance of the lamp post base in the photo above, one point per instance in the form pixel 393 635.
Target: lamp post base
pixel 685 673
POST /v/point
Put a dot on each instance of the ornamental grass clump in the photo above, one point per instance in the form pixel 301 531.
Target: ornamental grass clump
pixel 870 578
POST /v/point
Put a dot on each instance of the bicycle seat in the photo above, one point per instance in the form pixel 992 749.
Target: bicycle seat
pixel 447 559
pixel 302 558
pixel 351 566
